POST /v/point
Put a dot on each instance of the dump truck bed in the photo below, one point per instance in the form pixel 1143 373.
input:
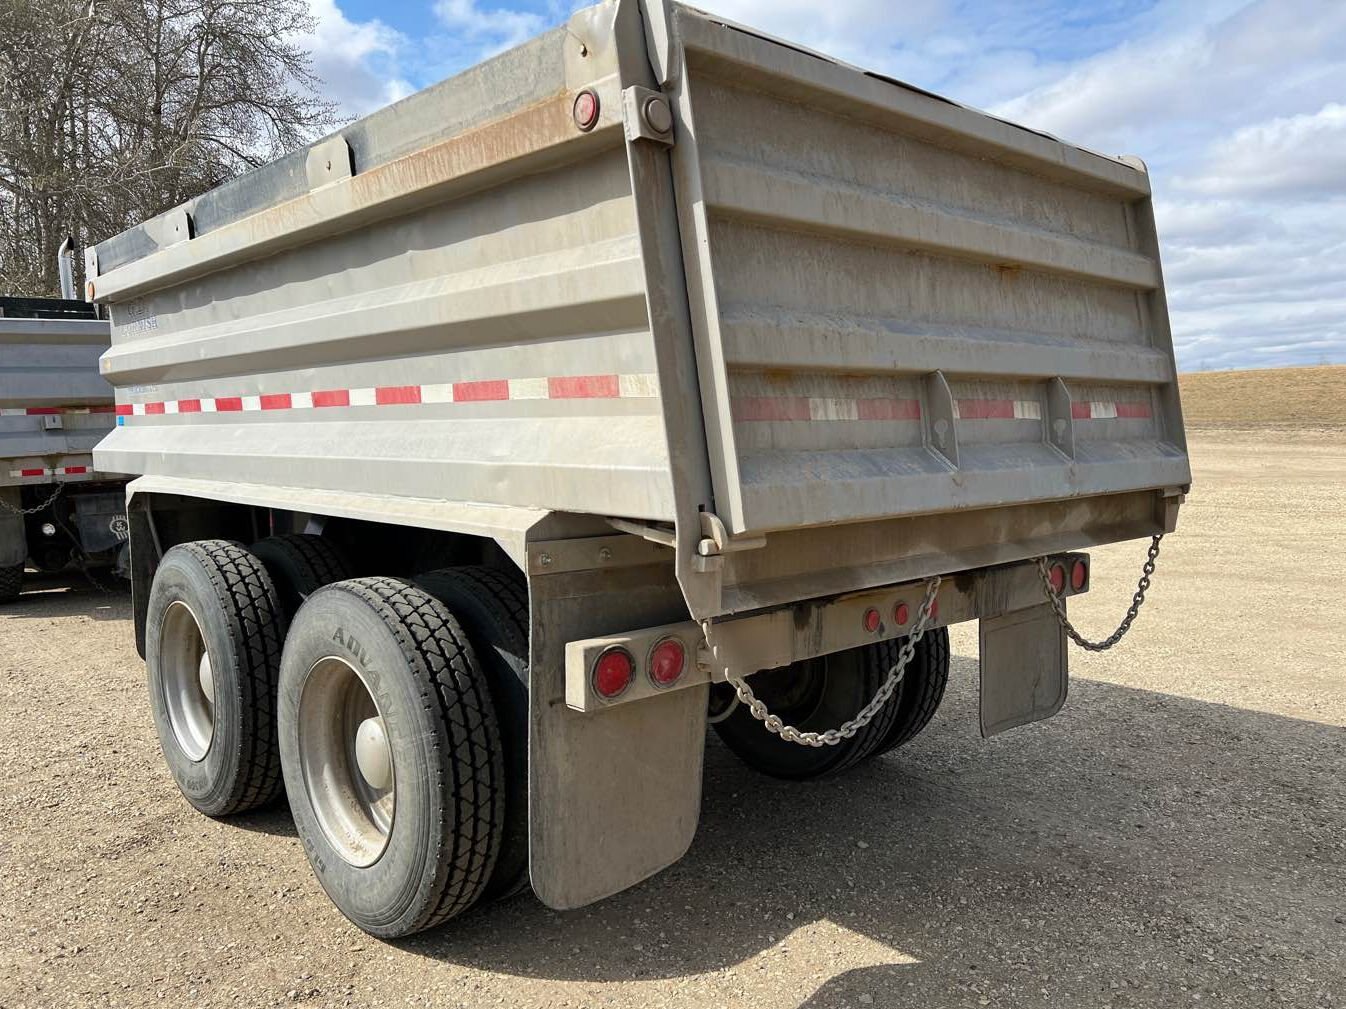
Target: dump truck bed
pixel 54 405
pixel 827 332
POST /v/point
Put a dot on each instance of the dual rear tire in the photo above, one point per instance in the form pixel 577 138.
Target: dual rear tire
pixel 368 700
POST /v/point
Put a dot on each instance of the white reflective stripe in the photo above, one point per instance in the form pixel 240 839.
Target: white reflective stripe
pixel 14 411
pixel 440 392
pixel 638 386
pixel 301 401
pixel 207 406
pixel 363 397
pixel 1027 409
pixel 251 403
pixel 528 388
pixel 1102 410
pixel 827 408
pixel 137 409
pixel 170 406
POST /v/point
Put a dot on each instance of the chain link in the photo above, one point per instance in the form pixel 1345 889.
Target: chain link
pixel 1132 611
pixel 36 508
pixel 831 737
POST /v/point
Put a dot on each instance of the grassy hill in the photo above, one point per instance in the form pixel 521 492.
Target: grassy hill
pixel 1270 397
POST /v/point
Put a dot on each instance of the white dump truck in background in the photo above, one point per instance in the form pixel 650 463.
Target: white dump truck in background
pixel 57 511
pixel 650 374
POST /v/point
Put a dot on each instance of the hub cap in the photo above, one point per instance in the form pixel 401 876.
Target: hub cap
pixel 347 761
pixel 188 681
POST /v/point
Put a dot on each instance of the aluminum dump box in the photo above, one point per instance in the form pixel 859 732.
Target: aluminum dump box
pixel 54 408
pixel 900 308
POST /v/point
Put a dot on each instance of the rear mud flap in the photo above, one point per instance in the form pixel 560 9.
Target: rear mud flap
pixel 1024 674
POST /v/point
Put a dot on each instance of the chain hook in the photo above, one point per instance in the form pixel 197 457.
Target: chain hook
pixel 1132 611
pixel 831 737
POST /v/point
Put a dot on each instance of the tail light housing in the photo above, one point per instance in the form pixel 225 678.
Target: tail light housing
pixel 1057 574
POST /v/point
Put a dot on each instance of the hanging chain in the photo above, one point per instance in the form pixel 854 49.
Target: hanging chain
pixel 36 508
pixel 773 723
pixel 1132 611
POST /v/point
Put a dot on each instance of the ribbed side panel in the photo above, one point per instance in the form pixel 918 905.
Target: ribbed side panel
pixel 493 348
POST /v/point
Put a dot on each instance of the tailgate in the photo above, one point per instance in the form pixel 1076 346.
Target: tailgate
pixel 904 306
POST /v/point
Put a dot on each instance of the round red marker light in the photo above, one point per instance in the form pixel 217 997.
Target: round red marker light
pixel 1058 577
pixel 901 614
pixel 613 672
pixel 1079 574
pixel 586 110
pixel 872 620
pixel 667 661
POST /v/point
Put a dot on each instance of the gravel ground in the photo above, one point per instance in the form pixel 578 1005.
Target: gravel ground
pixel 1177 836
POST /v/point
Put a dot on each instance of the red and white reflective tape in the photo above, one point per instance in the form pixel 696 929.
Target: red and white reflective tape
pixel 638 386
pixel 821 408
pixel 997 409
pixel 43 411
pixel 38 471
pixel 1096 409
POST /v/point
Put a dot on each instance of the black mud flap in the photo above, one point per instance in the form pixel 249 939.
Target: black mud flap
pixel 1024 673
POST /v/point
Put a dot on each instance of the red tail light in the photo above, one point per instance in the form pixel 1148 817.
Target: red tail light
pixel 667 661
pixel 613 672
pixel 1058 577
pixel 901 614
pixel 1079 575
pixel 872 620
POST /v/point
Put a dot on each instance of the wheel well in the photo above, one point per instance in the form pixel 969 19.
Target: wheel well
pixel 162 521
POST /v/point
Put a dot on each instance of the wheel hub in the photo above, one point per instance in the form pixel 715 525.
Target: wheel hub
pixel 372 754
pixel 188 681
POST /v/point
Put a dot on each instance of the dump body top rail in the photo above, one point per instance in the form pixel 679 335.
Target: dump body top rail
pixel 865 331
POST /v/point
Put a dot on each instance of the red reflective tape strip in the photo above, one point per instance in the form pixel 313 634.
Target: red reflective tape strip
pixel 124 409
pixel 39 411
pixel 101 409
pixel 275 401
pixel 397 395
pixel 1080 411
pixel 986 409
pixel 332 397
pixel 189 406
pixel 228 404
pixel 753 408
pixel 888 409
pixel 32 472
pixel 584 387
pixel 74 470
pixel 1132 411
pixel 476 392
pixel 154 408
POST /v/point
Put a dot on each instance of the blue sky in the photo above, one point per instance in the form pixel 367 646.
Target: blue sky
pixel 1238 106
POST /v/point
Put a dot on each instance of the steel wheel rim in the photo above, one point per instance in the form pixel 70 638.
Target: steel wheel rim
pixel 340 726
pixel 187 681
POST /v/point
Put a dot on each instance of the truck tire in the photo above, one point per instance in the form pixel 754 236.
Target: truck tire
pixel 11 582
pixel 392 755
pixel 923 684
pixel 492 606
pixel 814 695
pixel 301 564
pixel 213 635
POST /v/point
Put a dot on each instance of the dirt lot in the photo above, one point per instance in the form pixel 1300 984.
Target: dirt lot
pixel 1176 837
pixel 1292 398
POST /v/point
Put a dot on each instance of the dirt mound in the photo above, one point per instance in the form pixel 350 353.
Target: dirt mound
pixel 1270 397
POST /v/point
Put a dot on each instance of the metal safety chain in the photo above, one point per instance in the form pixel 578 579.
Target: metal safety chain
pixel 36 508
pixel 773 723
pixel 1132 611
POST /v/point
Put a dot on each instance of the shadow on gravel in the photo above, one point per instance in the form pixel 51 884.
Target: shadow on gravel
pixel 101 596
pixel 1139 848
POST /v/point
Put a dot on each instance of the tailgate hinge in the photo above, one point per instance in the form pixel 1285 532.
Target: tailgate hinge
pixel 647 115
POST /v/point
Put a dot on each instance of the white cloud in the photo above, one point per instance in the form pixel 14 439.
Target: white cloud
pixel 356 61
pixel 491 29
pixel 1291 157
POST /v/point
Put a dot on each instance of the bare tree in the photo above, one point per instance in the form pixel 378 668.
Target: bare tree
pixel 112 111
